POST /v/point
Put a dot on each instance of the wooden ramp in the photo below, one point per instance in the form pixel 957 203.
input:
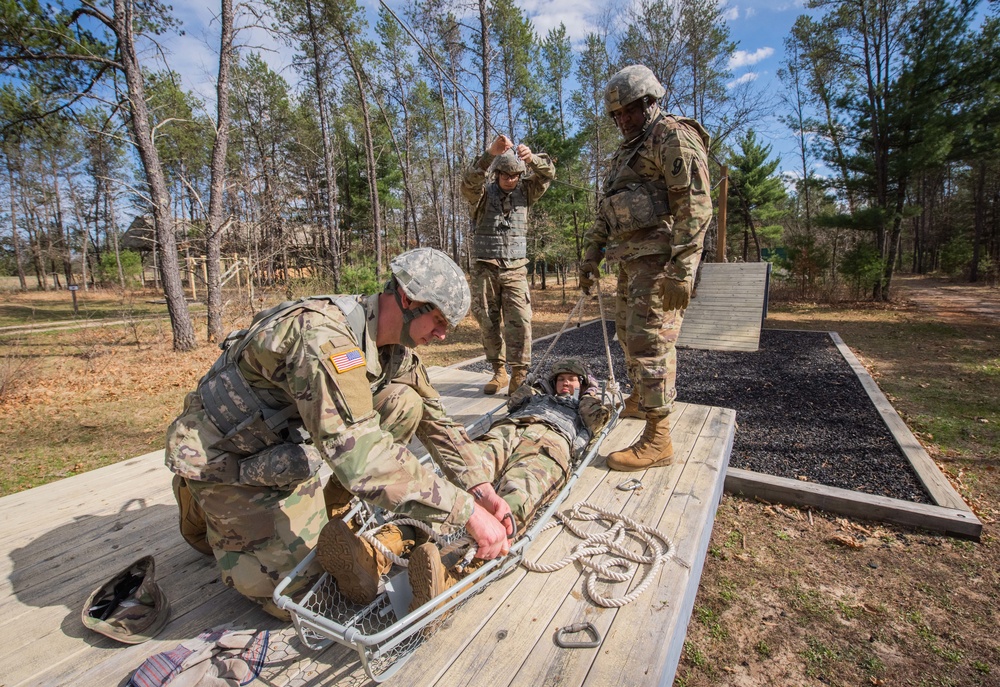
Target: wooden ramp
pixel 62 540
pixel 729 307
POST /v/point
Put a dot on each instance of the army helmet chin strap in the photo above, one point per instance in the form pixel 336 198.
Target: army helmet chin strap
pixel 409 314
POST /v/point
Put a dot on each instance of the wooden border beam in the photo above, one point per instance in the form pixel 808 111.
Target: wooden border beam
pixel 855 504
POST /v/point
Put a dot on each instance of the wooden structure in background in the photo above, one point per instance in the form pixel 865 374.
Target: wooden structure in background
pixel 729 307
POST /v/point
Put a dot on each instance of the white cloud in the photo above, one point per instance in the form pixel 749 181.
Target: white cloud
pixel 731 14
pixel 742 58
pixel 746 78
pixel 749 12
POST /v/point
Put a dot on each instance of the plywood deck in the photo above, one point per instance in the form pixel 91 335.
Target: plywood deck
pixel 729 307
pixel 62 540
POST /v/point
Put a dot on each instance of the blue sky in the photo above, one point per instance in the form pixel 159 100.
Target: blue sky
pixel 759 28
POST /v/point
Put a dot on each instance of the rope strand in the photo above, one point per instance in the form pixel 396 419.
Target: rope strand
pixel 621 562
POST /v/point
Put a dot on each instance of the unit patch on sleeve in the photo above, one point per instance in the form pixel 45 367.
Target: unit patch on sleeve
pixel 347 360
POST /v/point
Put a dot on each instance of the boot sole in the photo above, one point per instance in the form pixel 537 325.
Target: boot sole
pixel 340 551
pixel 426 576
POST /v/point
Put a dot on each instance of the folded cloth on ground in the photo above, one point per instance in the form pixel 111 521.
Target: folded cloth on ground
pixel 216 658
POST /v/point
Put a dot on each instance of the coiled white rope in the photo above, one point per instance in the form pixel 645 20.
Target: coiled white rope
pixel 621 562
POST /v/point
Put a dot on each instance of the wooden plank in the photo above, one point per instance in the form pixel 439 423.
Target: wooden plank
pixel 855 504
pixel 549 664
pixel 930 476
pixel 452 642
pixel 691 512
pixel 728 308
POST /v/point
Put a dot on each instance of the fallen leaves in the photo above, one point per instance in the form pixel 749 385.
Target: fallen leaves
pixel 848 541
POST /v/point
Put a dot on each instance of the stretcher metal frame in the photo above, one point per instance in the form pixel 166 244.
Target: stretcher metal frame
pixel 383 641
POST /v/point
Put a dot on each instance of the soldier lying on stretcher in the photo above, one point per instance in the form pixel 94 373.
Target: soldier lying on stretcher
pixel 530 454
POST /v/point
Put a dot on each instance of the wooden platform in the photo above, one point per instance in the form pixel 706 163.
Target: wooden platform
pixel 62 540
pixel 729 307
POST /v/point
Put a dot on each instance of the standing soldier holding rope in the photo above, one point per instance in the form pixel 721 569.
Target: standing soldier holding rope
pixel 500 300
pixel 651 221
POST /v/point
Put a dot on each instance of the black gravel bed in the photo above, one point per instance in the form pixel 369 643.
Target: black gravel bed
pixel 801 411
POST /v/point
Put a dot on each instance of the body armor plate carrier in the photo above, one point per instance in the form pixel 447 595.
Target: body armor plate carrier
pixel 252 418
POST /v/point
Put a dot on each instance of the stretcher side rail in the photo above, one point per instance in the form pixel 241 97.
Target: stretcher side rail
pixel 383 641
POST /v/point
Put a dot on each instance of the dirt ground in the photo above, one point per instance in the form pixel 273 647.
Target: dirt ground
pixel 788 596
pixel 793 597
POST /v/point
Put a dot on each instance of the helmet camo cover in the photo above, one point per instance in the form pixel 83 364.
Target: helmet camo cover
pixel 427 275
pixel 509 163
pixel 630 84
pixel 574 366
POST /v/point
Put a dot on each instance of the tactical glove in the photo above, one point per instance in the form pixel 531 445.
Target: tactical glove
pixel 676 294
pixel 589 273
pixel 520 397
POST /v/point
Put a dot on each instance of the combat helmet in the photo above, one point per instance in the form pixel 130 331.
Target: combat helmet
pixel 509 163
pixel 429 276
pixel 628 85
pixel 574 366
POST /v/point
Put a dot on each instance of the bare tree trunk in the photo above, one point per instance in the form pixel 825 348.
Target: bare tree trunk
pixel 369 155
pixel 173 289
pixel 333 221
pixel 213 243
pixel 484 46
pixel 13 230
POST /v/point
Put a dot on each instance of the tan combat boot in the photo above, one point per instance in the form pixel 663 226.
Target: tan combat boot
pixel 428 575
pixel 499 380
pixel 518 373
pixel 632 408
pixel 354 563
pixel 653 449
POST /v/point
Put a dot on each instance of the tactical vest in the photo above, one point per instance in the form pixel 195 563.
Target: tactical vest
pixel 500 235
pixel 253 418
pixel 631 201
pixel 561 413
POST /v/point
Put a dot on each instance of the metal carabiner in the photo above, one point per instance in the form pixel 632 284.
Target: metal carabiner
pixel 630 485
pixel 573 629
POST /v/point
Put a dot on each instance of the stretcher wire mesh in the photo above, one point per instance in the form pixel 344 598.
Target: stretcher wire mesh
pixel 383 640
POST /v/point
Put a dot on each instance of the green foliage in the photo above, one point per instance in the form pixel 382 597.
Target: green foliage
pixel 805 261
pixel 107 268
pixel 956 256
pixel 862 266
pixel 359 279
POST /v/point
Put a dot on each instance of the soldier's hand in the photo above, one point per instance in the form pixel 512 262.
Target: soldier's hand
pixel 489 533
pixel 520 397
pixel 524 152
pixel 487 497
pixel 500 145
pixel 676 294
pixel 588 274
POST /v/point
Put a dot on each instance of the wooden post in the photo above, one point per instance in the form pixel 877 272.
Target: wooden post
pixel 236 266
pixel 190 267
pixel 204 271
pixel 720 242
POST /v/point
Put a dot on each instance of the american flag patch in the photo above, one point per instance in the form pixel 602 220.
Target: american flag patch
pixel 347 360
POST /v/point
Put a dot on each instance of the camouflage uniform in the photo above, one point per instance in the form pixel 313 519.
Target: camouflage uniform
pixel 652 221
pixel 530 452
pixel 500 300
pixel 359 405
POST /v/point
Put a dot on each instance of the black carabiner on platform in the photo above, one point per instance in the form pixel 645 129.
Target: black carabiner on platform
pixel 573 629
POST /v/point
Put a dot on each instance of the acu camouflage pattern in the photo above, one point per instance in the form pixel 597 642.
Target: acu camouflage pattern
pixel 359 422
pixel 429 276
pixel 502 231
pixel 501 304
pixel 652 221
pixel 509 163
